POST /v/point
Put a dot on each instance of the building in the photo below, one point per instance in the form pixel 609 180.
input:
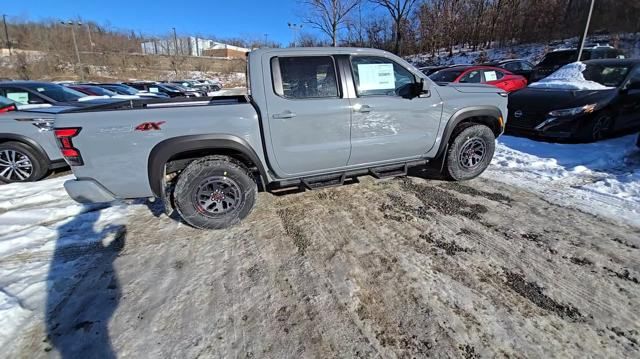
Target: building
pixel 192 46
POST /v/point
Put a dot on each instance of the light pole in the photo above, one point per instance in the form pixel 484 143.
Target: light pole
pixel 586 30
pixel 294 30
pixel 266 41
pixel 175 40
pixel 6 33
pixel 75 44
pixel 89 33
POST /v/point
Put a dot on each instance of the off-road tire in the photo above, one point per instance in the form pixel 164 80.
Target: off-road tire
pixel 189 193
pixel 39 165
pixel 463 140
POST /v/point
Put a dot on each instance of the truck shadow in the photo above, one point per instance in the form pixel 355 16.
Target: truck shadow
pixel 83 290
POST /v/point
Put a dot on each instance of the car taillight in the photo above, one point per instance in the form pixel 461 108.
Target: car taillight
pixel 8 108
pixel 65 142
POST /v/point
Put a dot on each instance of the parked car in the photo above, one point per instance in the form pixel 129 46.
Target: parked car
pixel 154 87
pixel 7 105
pixel 581 101
pixel 428 70
pixel 494 76
pixel 28 150
pixel 33 92
pixel 185 91
pixel 520 67
pixel 190 87
pixel 556 59
pixel 123 89
pixel 314 118
pixel 98 91
pixel 214 85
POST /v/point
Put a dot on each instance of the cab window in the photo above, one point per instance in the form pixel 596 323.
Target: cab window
pixel 379 76
pixel 306 77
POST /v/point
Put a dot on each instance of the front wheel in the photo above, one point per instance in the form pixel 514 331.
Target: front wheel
pixel 469 153
pixel 215 192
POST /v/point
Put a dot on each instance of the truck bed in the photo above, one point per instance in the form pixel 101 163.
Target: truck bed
pixel 140 104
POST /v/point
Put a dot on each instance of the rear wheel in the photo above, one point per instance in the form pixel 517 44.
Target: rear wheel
pixel 469 153
pixel 215 192
pixel 21 163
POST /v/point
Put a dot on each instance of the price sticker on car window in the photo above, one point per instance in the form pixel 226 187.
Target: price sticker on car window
pixel 376 77
pixel 154 89
pixel 19 97
pixel 490 76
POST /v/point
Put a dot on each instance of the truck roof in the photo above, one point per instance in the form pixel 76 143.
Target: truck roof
pixel 322 50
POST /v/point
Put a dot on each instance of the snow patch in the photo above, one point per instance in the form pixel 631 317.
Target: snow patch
pixel 569 77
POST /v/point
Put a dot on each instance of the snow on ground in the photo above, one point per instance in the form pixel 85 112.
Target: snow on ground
pixel 40 225
pixel 601 178
pixel 39 222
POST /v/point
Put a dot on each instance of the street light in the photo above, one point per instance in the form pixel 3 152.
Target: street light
pixel 294 30
pixel 72 24
pixel 6 33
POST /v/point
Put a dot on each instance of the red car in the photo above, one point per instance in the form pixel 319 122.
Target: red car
pixel 481 74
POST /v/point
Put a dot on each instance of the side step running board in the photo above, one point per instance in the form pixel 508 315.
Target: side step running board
pixel 312 183
pixel 389 171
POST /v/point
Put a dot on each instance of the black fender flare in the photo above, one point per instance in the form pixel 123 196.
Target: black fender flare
pixel 4 137
pixel 163 151
pixel 465 114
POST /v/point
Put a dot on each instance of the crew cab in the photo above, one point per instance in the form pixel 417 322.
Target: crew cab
pixel 313 117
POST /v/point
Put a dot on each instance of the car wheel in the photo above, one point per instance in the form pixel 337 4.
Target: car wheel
pixel 469 153
pixel 215 192
pixel 600 127
pixel 21 163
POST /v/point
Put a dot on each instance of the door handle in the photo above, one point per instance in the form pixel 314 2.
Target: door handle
pixel 285 114
pixel 363 109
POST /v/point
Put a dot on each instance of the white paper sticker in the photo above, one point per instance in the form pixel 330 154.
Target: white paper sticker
pixel 154 89
pixel 490 76
pixel 19 97
pixel 376 77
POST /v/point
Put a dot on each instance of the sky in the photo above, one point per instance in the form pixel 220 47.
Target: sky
pixel 223 19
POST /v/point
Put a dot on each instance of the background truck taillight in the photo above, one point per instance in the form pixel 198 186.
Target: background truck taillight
pixel 65 142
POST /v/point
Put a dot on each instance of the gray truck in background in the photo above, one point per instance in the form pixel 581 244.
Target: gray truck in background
pixel 313 117
pixel 28 149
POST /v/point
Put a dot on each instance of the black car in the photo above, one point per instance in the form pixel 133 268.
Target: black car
pixel 39 93
pixel 556 59
pixel 154 87
pixel 122 89
pixel 515 66
pixel 567 110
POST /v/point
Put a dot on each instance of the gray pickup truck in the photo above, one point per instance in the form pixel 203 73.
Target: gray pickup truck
pixel 313 117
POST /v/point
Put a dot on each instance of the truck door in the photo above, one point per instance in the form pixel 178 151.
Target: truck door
pixel 308 118
pixel 385 125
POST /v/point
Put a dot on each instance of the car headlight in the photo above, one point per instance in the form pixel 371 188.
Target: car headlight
pixel 573 111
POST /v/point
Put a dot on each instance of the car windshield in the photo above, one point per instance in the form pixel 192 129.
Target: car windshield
pixel 445 75
pixel 56 92
pixel 122 89
pixel 606 75
pixel 5 101
pixel 99 91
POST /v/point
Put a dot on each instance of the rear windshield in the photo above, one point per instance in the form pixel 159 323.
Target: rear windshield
pixel 610 76
pixel 445 75
pixel 5 101
pixel 561 58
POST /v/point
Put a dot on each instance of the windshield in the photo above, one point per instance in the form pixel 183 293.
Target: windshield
pixel 609 75
pixel 561 58
pixel 99 91
pixel 445 75
pixel 56 92
pixel 122 89
pixel 5 101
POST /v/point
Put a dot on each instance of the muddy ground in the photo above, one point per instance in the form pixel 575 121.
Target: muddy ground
pixel 394 268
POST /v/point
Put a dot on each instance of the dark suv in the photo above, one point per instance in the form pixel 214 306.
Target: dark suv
pixel 39 93
pixel 556 59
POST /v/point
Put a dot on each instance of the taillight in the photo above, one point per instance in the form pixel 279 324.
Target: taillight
pixel 8 108
pixel 65 142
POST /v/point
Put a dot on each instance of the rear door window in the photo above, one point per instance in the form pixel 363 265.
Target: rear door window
pixel 493 75
pixel 306 77
pixel 21 96
pixel 512 66
pixel 473 77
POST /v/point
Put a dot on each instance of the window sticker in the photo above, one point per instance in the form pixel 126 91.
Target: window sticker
pixel 154 89
pixel 19 97
pixel 490 76
pixel 376 77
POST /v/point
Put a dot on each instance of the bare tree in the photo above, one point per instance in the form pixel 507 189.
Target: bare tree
pixel 399 11
pixel 329 16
